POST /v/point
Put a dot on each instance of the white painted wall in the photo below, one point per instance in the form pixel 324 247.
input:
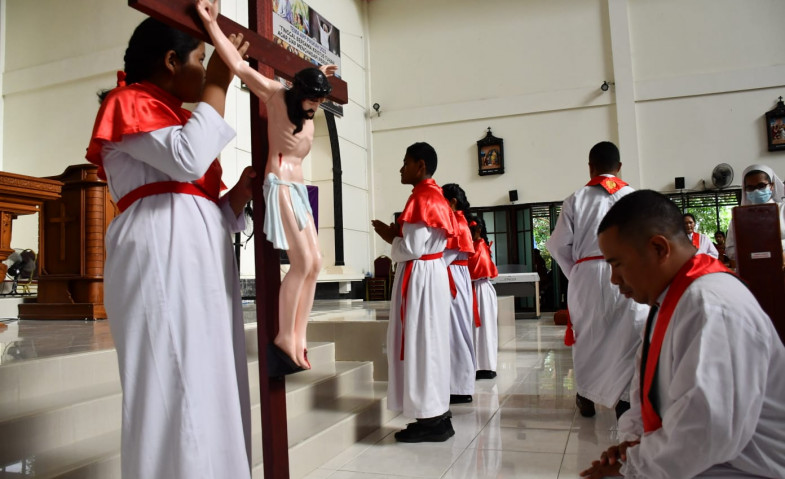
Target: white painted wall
pixel 692 82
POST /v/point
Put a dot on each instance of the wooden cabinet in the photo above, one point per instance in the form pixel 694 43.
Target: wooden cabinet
pixel 71 285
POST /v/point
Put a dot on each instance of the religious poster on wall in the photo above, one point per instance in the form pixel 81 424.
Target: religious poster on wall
pixel 303 31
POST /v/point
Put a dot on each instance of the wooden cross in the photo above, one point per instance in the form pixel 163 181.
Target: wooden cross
pixel 267 58
pixel 62 220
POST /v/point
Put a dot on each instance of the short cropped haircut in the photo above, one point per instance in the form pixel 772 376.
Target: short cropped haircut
pixel 604 156
pixel 423 151
pixel 643 214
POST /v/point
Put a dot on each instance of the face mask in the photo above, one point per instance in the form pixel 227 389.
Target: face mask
pixel 760 196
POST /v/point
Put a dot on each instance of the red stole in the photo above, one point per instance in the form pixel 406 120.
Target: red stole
pixel 480 266
pixel 611 184
pixel 697 266
pixel 480 262
pixel 142 108
pixel 696 240
pixel 462 241
pixel 427 205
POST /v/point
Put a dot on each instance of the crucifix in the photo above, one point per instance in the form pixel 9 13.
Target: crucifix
pixel 267 58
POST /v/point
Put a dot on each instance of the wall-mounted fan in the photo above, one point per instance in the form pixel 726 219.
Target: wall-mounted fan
pixel 722 175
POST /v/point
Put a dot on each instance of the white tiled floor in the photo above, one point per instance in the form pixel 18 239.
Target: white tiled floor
pixel 523 424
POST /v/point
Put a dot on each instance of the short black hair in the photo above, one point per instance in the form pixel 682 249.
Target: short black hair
pixel 423 151
pixel 604 156
pixel 690 215
pixel 643 214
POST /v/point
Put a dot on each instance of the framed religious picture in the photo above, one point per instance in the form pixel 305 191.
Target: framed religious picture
pixel 490 155
pixel 775 127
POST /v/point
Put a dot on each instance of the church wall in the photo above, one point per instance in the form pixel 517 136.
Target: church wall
pixel 530 70
pixel 704 79
pixel 703 74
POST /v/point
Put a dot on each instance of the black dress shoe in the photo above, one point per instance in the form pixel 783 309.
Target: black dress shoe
pixel 426 431
pixel 621 408
pixel 460 398
pixel 485 374
pixel 585 406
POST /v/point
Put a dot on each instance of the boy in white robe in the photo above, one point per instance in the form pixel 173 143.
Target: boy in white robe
pixel 418 336
pixel 709 390
pixel 606 325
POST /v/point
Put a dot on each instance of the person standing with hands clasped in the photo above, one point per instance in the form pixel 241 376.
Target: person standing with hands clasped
pixel 418 335
pixel 171 287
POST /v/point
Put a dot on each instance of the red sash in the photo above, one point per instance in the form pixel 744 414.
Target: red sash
pixel 611 184
pixel 569 334
pixel 453 288
pixel 162 187
pixel 589 258
pixel 697 266
pixel 475 307
pixel 407 274
pixel 696 240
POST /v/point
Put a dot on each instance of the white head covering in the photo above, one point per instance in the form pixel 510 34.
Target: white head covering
pixel 778 190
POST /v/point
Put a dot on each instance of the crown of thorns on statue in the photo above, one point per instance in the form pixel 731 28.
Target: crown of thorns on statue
pixel 311 83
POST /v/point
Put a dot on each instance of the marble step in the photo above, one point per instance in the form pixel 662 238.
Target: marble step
pixel 28 380
pixel 331 395
pixel 53 420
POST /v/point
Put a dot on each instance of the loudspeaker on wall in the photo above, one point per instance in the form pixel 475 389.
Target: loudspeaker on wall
pixel 513 195
pixel 679 182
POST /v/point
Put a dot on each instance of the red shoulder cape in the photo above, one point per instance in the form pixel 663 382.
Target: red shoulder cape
pixel 611 184
pixel 141 108
pixel 480 263
pixel 427 205
pixel 463 240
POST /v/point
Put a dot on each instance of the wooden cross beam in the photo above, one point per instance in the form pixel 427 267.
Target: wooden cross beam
pixel 181 14
pixel 267 58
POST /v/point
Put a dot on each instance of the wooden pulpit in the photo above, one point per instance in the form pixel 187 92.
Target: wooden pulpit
pixel 70 284
pixel 21 195
pixel 759 258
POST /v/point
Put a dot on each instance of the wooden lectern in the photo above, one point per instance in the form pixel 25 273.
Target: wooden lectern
pixel 21 195
pixel 759 258
pixel 70 285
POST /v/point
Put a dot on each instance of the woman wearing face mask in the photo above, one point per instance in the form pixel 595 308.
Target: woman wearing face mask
pixel 761 185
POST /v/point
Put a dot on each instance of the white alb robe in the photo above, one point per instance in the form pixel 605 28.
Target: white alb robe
pixel 705 245
pixel 486 337
pixel 607 326
pixel 419 385
pixel 720 387
pixel 172 294
pixel 463 364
